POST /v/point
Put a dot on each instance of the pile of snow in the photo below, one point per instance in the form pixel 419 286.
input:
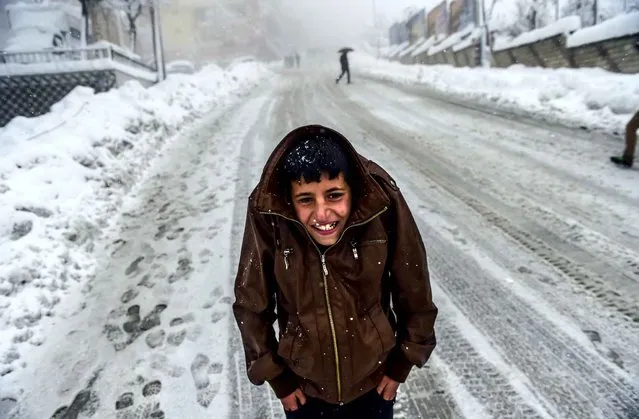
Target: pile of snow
pixel 617 27
pixel 63 176
pixel 592 97
pixel 565 26
pixel 33 25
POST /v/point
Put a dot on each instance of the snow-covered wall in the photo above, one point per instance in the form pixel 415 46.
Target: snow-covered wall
pixel 563 26
pixel 561 44
pixel 617 27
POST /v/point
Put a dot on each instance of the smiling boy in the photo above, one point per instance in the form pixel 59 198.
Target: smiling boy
pixel 331 251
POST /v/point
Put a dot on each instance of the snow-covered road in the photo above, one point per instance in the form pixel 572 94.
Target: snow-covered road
pixel 533 243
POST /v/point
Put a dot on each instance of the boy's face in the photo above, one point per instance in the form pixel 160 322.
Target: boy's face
pixel 323 207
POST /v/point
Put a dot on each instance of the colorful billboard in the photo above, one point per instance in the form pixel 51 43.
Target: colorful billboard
pixel 454 13
pixel 462 13
pixel 416 25
pixel 437 20
pixel 468 14
pixel 398 33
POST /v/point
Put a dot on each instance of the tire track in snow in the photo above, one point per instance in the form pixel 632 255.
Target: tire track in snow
pixel 534 194
pixel 593 276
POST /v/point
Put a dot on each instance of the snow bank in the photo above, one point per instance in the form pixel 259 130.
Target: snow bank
pixel 565 25
pixel 622 25
pixel 33 25
pixel 590 97
pixel 63 175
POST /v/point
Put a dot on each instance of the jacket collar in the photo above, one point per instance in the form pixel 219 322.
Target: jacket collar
pixel 368 198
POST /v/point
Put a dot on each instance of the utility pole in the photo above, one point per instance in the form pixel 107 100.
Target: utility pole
pixel 481 24
pixel 158 45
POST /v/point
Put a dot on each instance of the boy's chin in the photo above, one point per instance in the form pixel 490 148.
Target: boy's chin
pixel 325 240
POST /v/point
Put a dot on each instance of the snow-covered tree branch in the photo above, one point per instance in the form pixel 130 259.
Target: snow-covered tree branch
pixel 133 10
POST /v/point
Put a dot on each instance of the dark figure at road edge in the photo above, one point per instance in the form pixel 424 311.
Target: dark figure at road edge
pixel 329 243
pixel 628 156
pixel 343 61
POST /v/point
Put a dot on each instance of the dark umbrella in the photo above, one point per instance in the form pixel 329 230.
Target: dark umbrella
pixel 343 50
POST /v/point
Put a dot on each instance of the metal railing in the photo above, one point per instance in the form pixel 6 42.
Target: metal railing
pixel 71 54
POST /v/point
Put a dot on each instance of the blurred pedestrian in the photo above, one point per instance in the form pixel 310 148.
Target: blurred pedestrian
pixel 343 61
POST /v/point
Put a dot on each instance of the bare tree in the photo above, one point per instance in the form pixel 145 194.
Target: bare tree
pixel 133 10
pixel 530 15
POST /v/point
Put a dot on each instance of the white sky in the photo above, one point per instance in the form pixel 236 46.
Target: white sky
pixel 393 8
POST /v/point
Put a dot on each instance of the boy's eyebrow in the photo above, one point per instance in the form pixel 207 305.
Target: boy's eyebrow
pixel 335 189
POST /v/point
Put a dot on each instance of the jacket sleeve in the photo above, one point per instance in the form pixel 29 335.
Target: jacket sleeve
pixel 410 287
pixel 254 308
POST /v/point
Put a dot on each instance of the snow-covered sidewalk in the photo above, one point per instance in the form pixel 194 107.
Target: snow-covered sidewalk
pixel 63 176
pixel 592 98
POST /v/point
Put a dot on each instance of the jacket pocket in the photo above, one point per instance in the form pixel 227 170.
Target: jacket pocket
pixel 384 329
pixel 287 342
pixel 356 246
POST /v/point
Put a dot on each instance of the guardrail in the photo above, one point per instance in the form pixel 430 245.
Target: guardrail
pixel 71 54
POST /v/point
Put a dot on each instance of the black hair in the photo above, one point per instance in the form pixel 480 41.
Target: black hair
pixel 313 156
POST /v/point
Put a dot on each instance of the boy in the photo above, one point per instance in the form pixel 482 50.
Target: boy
pixel 329 240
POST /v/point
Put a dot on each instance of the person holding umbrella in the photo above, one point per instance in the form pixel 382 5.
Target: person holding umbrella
pixel 343 60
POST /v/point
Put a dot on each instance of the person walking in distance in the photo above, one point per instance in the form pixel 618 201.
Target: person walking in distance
pixel 628 156
pixel 331 252
pixel 343 61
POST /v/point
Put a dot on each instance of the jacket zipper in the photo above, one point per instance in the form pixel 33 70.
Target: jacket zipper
pixel 354 246
pixel 287 252
pixel 332 325
pixel 325 283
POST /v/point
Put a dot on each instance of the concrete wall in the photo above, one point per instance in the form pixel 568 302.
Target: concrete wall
pixel 619 55
pixel 467 57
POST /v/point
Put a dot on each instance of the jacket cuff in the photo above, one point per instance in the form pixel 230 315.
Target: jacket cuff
pixel 398 366
pixel 284 384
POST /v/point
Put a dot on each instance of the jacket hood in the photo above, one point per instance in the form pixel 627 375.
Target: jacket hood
pixel 368 197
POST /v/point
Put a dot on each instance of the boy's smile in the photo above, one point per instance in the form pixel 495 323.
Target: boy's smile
pixel 323 207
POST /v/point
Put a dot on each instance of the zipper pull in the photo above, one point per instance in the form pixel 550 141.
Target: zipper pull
pixel 354 246
pixel 287 252
pixel 324 268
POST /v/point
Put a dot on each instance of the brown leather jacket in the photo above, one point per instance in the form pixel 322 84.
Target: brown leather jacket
pixel 338 334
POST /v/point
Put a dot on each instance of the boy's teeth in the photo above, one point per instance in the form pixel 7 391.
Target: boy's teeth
pixel 326 226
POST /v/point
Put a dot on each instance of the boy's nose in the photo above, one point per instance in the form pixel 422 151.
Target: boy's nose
pixel 322 213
